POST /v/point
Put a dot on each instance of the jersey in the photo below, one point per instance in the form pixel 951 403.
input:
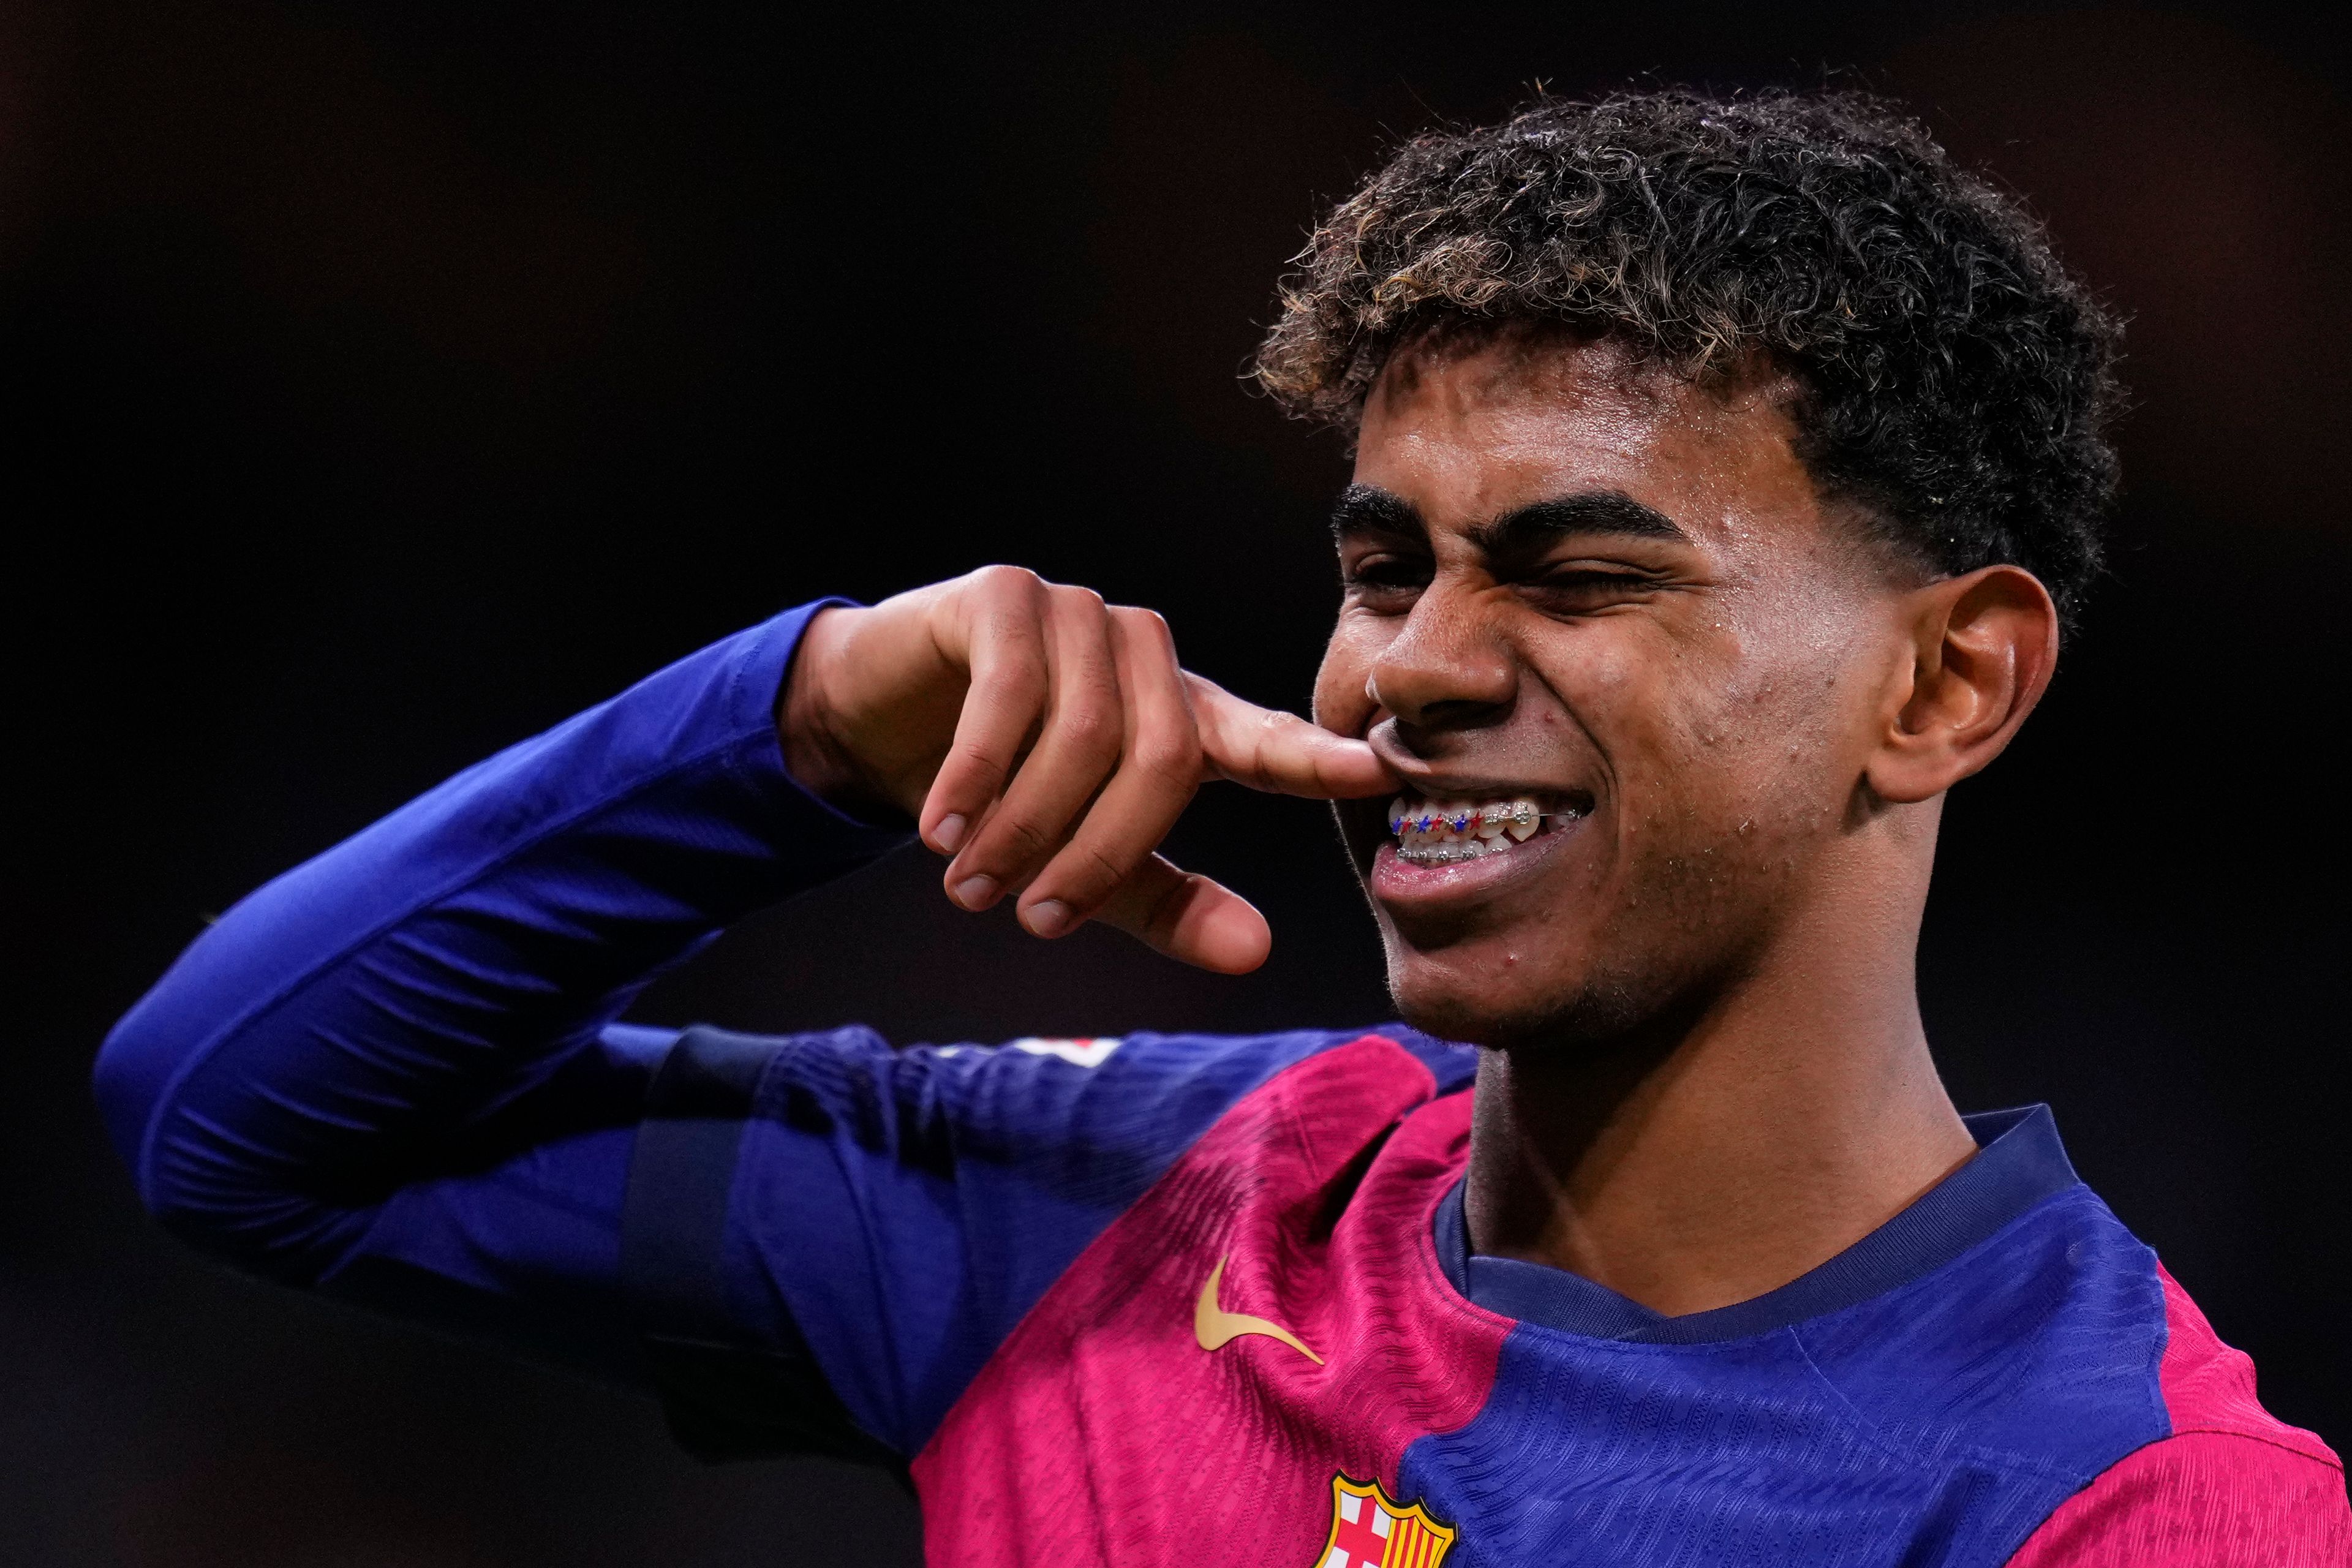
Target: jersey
pixel 1147 1301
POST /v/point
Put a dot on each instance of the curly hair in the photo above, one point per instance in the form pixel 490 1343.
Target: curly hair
pixel 1954 378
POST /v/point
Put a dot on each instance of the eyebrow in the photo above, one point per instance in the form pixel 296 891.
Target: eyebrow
pixel 1363 510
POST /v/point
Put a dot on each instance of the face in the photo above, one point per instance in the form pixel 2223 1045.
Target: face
pixel 1581 587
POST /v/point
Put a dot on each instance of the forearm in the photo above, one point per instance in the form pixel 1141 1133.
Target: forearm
pixel 388 1013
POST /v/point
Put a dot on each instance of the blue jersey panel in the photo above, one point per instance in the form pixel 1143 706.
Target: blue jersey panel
pixel 892 1215
pixel 392 1074
pixel 1939 1422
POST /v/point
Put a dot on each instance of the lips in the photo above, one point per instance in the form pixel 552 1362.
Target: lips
pixel 1480 837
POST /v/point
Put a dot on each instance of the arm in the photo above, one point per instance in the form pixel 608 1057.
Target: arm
pixel 392 1074
pixel 387 1074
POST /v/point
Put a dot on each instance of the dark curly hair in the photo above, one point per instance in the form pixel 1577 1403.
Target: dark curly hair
pixel 1956 380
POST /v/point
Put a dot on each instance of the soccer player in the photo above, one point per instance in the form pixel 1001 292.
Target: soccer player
pixel 1724 472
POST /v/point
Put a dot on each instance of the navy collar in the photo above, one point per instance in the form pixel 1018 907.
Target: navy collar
pixel 2019 1162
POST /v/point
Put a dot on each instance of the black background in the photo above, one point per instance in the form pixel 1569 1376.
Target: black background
pixel 380 383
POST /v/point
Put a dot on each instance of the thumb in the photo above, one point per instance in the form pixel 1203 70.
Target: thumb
pixel 1280 752
pixel 1188 917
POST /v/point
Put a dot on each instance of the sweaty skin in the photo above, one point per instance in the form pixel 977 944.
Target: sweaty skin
pixel 1573 576
pixel 1709 1074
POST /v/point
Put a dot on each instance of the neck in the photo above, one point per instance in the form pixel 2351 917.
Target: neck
pixel 1703 1160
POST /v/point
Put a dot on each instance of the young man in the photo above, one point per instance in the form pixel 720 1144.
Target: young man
pixel 1724 472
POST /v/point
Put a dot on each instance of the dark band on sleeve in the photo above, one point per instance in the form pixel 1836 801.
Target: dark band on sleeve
pixel 726 1396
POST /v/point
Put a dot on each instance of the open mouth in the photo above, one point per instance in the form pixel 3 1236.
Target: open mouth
pixel 1448 832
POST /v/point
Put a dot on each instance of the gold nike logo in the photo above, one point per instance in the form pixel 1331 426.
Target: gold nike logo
pixel 1215 1327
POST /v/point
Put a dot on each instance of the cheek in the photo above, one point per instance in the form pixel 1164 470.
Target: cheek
pixel 1701 738
pixel 1341 701
pixel 1656 713
pixel 1758 751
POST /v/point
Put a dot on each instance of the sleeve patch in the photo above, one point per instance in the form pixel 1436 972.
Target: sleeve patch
pixel 1085 1053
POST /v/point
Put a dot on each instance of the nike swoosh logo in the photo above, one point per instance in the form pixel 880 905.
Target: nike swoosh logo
pixel 1215 1327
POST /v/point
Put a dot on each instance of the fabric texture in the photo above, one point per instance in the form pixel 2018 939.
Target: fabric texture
pixel 898 1212
pixel 2230 1486
pixel 2020 1163
pixel 395 1075
pixel 1104 1433
pixel 1943 1420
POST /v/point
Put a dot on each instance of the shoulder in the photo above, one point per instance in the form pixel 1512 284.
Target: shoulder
pixel 1146 1078
pixel 1144 1084
pixel 2208 1387
pixel 2035 1350
pixel 2059 1354
pixel 1095 1120
pixel 1210 1061
pixel 2229 1483
pixel 889 1215
pixel 2203 1500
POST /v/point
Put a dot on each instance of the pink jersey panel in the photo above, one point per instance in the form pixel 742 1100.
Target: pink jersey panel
pixel 1102 1433
pixel 2203 1499
pixel 2209 1387
pixel 2232 1485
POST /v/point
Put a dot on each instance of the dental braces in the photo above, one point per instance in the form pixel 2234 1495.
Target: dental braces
pixel 1499 827
pixel 1521 814
pixel 1447 854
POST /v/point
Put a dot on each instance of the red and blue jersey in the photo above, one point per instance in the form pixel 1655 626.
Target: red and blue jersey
pixel 1147 1301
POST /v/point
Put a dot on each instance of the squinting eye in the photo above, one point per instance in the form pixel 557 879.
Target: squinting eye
pixel 1386 571
pixel 1586 588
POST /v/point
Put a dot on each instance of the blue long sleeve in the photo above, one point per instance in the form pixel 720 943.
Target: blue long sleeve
pixel 393 1074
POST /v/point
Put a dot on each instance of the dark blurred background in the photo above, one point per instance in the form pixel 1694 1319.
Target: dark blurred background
pixel 379 383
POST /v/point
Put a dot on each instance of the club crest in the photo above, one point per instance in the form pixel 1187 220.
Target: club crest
pixel 1368 1530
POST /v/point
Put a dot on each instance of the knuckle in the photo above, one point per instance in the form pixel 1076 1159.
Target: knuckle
pixel 1173 754
pixel 1135 618
pixel 1089 727
pixel 1145 632
pixel 971 758
pixel 1012 600
pixel 1084 877
pixel 1016 652
pixel 1021 841
pixel 1099 872
pixel 1003 578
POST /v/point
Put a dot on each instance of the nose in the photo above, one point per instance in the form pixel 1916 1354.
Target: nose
pixel 1444 670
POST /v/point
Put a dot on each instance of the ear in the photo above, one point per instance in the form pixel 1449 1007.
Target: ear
pixel 1983 646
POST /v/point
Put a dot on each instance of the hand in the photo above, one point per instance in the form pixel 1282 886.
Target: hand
pixel 1046 741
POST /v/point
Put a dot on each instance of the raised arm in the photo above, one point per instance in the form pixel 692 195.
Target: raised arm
pixel 387 1072
pixel 392 1073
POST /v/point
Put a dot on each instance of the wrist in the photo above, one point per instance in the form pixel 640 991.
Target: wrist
pixel 807 718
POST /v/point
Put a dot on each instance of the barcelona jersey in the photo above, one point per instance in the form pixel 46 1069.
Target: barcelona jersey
pixel 1162 1298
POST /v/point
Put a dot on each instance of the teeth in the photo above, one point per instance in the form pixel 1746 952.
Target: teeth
pixel 1443 833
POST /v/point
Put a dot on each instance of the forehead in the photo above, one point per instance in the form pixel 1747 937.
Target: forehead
pixel 1469 431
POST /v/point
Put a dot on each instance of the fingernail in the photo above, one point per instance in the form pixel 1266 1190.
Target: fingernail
pixel 973 892
pixel 946 837
pixel 1049 917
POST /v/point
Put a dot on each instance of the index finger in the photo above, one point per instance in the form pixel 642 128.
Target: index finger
pixel 1280 752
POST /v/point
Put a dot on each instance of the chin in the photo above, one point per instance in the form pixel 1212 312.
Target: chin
pixel 1501 1006
pixel 1439 999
